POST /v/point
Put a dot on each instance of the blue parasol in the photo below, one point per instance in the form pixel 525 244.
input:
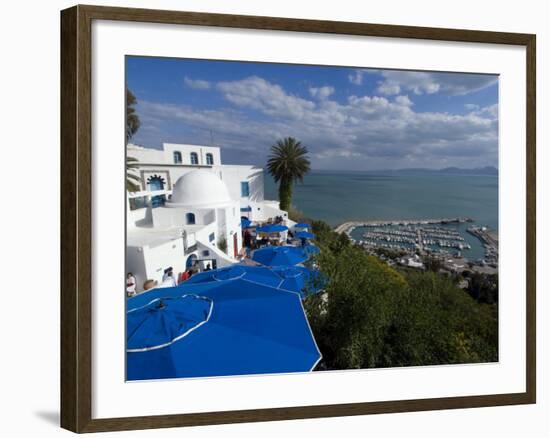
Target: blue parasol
pixel 304 235
pixel 249 329
pixel 300 279
pixel 257 274
pixel 272 228
pixel 164 320
pixel 279 256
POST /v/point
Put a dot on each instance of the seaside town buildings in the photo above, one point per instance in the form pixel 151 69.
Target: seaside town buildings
pixel 188 210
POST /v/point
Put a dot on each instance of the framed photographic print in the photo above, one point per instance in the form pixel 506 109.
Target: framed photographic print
pixel 268 218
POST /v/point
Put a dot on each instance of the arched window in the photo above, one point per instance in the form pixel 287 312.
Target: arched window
pixel 191 260
pixel 194 158
pixel 177 157
pixel 209 159
pixel 156 183
pixel 190 218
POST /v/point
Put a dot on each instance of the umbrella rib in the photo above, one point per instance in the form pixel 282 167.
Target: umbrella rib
pixel 177 338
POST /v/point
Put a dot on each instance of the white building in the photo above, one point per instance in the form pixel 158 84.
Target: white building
pixel 190 205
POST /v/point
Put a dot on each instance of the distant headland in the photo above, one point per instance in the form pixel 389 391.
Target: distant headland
pixel 487 170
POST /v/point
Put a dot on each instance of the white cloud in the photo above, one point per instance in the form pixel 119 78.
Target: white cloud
pixel 388 88
pixel 257 93
pixel 395 82
pixel 357 77
pixel 489 111
pixel 321 92
pixel 403 100
pixel 356 133
pixel 197 84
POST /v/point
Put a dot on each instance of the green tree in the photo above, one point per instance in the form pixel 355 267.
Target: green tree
pixel 132 180
pixel 351 322
pixel 483 287
pixel 222 244
pixel 288 163
pixel 439 323
pixel 132 125
pixel 432 264
pixel 372 315
pixel 132 119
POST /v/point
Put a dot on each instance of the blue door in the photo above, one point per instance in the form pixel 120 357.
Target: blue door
pixel 156 183
pixel 190 261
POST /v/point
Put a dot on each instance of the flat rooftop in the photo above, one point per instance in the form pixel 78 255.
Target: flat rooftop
pixel 148 236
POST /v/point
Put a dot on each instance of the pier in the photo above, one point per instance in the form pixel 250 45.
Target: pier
pixel 490 243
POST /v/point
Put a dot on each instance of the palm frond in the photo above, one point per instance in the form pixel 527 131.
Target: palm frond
pixel 133 177
pixel 133 181
pixel 131 186
pixel 288 160
pixel 132 119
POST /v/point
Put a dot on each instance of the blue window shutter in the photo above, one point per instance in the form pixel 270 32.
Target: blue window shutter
pixel 245 188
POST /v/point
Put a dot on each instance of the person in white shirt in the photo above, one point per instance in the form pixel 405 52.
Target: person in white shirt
pixel 169 280
pixel 167 273
pixel 130 284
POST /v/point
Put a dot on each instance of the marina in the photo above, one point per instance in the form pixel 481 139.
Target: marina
pixel 454 237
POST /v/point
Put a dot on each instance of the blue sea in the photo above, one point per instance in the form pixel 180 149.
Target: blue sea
pixel 337 197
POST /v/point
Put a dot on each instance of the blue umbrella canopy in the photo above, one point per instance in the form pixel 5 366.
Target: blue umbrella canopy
pixel 288 278
pixel 245 223
pixel 272 228
pixel 165 320
pixel 279 256
pixel 302 225
pixel 252 329
pixel 300 279
pixel 304 235
pixel 257 274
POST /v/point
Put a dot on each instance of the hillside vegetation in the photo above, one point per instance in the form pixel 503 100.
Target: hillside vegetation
pixel 375 316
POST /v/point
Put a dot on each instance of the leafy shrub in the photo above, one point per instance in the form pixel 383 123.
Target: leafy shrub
pixel 374 316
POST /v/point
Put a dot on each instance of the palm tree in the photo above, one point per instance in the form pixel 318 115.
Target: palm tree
pixel 287 164
pixel 132 119
pixel 133 182
pixel 132 125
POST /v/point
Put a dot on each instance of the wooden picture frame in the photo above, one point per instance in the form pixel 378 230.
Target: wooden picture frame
pixel 76 201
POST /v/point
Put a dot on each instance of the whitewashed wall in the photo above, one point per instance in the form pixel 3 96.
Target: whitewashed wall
pixel 185 150
pixel 177 216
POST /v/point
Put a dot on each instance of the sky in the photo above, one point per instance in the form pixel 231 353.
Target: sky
pixel 348 118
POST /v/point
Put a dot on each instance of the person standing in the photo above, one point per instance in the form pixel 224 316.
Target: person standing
pixel 184 276
pixel 247 239
pixel 167 272
pixel 169 280
pixel 130 284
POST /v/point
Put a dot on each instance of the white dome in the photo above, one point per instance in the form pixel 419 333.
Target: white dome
pixel 199 188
